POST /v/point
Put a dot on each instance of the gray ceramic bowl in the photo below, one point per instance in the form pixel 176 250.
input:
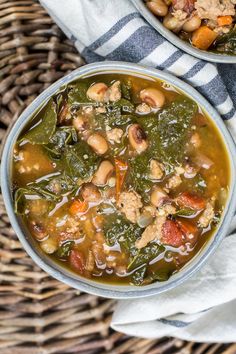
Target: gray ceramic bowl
pixel 64 275
pixel 174 39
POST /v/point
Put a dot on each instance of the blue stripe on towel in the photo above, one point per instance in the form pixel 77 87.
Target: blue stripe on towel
pixel 112 31
pixel 229 115
pixel 194 70
pixel 175 323
pixel 129 50
pixel 171 60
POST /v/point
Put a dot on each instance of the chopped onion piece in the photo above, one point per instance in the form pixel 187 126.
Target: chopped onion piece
pixel 144 220
pixel 203 161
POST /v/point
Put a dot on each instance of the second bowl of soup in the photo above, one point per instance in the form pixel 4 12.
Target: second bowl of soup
pixel 203 28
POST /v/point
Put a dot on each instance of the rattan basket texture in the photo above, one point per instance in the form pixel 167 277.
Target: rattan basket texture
pixel 38 314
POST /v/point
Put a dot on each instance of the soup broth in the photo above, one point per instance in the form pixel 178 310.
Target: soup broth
pixel 121 179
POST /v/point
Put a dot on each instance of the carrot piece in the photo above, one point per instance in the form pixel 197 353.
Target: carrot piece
pixel 192 201
pixel 77 261
pixel 203 37
pixel 224 20
pixel 78 206
pixel 121 168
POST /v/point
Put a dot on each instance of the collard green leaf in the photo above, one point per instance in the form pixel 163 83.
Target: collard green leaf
pixel 145 255
pixel 139 174
pixel 53 188
pixel 77 93
pixel 113 119
pixel 125 106
pixel 159 275
pixel 44 129
pixel 79 160
pixel 118 229
pixel 167 131
pixel 138 276
pixel 63 136
pixel 126 89
pixel 64 250
pixel 20 199
pixel 185 212
pixel 173 125
pixel 227 42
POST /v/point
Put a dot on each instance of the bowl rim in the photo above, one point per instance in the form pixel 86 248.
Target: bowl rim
pixel 80 283
pixel 177 42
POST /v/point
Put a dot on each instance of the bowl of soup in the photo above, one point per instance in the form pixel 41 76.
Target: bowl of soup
pixel 202 28
pixel 119 180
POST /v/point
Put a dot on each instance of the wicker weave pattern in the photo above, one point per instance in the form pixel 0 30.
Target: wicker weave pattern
pixel 39 315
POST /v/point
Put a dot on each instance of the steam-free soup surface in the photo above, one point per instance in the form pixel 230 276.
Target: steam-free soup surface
pixel 121 179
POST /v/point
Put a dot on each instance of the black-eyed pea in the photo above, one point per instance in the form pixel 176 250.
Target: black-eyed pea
pixel 193 24
pixel 98 143
pixel 103 173
pixel 172 23
pixel 111 182
pixel 38 230
pixel 137 138
pixel 80 123
pixel 157 7
pixel 153 97
pixel 90 193
pixel 49 246
pixel 97 92
pixel 158 197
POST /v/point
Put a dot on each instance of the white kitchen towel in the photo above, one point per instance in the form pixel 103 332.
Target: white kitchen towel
pixel 204 308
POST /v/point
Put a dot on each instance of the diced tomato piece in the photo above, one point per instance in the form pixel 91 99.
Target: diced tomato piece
pixel 189 230
pixel 172 234
pixel 192 201
pixel 77 261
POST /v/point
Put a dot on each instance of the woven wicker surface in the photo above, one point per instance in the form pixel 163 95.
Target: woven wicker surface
pixel 38 314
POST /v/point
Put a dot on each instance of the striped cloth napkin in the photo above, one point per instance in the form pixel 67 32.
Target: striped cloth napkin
pixel 203 309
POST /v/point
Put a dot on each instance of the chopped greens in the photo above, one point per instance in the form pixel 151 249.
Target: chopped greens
pixel 63 136
pixel 138 276
pixel 64 250
pixel 139 174
pixel 174 122
pixel 227 42
pixel 126 88
pixel 53 188
pixel 145 255
pixel 185 212
pixel 118 229
pixel 77 93
pixel 43 130
pixel 79 160
pixel 20 199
